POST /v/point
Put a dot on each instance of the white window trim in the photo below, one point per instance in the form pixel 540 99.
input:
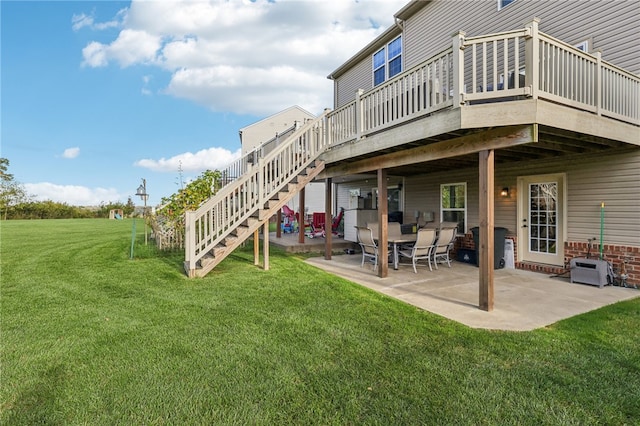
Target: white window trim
pixel 500 6
pixel 583 45
pixel 466 222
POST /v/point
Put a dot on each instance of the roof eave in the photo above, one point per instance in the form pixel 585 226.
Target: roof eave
pixel 390 33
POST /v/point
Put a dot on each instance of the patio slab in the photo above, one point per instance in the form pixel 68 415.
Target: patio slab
pixel 289 243
pixel 523 300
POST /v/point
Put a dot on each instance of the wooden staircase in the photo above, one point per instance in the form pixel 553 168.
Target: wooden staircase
pixel 226 220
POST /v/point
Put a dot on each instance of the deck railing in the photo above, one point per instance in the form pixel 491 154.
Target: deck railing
pixel 207 226
pixel 503 66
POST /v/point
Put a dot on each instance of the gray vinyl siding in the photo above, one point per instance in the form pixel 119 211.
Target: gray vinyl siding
pixel 609 26
pixel 358 77
pixel 342 191
pixel 612 178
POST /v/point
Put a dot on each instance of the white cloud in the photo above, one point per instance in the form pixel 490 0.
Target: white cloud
pixel 131 47
pixel 72 194
pixel 145 85
pixel 95 55
pixel 83 20
pixel 254 57
pixel 206 159
pixel 71 152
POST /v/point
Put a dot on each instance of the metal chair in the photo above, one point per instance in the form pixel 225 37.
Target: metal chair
pixel 422 249
pixel 446 240
pixel 368 245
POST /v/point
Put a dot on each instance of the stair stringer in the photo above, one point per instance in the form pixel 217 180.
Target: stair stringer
pixel 208 262
pixel 234 207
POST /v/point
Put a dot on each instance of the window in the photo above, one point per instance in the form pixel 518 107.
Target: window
pixel 379 64
pixel 387 62
pixel 584 46
pixel 394 198
pixel 504 3
pixel 453 204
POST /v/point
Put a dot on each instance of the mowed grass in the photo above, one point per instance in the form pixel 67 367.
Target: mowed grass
pixel 92 337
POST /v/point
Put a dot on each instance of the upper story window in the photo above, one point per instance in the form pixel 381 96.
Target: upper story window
pixel 504 3
pixel 387 62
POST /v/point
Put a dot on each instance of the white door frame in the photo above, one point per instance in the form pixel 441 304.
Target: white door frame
pixel 524 252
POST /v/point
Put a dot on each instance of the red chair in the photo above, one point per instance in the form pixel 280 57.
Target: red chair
pixel 335 225
pixel 316 225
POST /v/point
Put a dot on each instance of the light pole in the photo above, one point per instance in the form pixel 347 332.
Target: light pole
pixel 142 193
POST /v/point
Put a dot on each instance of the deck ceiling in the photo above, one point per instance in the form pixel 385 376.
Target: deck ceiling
pixel 552 142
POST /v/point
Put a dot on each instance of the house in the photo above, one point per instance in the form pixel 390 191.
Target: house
pixel 264 135
pixel 271 129
pixel 510 114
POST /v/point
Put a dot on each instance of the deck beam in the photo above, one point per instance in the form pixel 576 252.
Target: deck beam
pixel 502 137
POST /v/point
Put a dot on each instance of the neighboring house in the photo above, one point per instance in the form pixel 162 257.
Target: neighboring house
pixel 267 133
pixel 273 128
pixel 441 123
pixel 561 129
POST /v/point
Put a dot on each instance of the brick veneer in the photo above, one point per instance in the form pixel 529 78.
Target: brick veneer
pixel 615 254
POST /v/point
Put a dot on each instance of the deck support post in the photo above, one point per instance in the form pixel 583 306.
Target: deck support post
pixel 266 245
pixel 328 220
pixel 383 225
pixel 486 216
pixel 256 247
pixel 278 223
pixel 301 216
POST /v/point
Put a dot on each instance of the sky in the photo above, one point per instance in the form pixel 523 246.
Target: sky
pixel 97 95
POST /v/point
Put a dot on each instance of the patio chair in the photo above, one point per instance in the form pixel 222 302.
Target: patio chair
pixel 422 249
pixel 368 245
pixel 446 239
pixel 374 228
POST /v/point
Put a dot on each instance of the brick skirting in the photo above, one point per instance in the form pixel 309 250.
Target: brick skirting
pixel 615 254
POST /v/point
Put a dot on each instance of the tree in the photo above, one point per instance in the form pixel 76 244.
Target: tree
pixel 129 208
pixel 4 166
pixel 191 196
pixel 11 192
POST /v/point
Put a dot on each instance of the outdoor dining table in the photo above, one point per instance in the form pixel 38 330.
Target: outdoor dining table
pixel 396 241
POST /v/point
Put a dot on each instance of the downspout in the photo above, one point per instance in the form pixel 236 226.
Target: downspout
pixel 398 23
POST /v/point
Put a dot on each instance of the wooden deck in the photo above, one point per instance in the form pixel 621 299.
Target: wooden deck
pixel 289 243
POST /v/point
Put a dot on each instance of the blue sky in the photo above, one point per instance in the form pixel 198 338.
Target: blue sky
pixel 96 96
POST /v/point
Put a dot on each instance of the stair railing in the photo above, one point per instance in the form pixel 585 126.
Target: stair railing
pixel 236 202
pixel 240 166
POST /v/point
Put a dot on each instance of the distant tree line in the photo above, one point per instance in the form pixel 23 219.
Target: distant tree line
pixel 55 210
pixel 15 203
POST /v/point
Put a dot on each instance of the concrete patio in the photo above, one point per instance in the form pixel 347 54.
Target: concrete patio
pixel 523 300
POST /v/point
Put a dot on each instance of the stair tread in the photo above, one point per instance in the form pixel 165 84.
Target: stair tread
pixel 238 234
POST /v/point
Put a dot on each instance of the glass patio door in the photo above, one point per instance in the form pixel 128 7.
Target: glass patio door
pixel 541 219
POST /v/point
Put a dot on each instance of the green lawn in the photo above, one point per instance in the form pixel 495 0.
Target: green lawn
pixel 92 337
